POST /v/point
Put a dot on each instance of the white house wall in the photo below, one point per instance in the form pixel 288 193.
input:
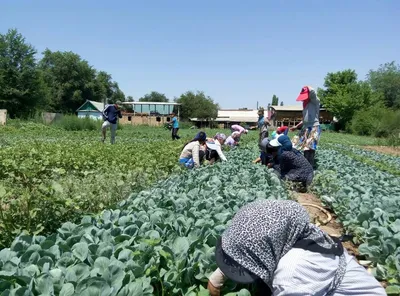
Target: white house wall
pixel 91 115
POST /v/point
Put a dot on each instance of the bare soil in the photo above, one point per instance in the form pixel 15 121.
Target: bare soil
pixel 384 149
pixel 333 227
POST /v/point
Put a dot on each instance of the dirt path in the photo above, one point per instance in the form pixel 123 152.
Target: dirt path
pixel 383 149
pixel 333 227
pixel 317 216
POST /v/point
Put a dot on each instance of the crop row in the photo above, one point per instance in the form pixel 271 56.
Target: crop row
pixel 159 241
pixel 366 200
pixel 389 161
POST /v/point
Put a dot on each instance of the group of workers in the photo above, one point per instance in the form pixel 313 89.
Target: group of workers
pixel 271 243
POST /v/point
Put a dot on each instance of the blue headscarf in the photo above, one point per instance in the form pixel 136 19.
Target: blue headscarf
pixel 201 136
pixel 286 143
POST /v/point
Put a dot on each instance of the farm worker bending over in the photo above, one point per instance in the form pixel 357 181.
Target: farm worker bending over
pixel 175 127
pixel 236 136
pixel 311 129
pixel 273 244
pixel 291 164
pixel 193 152
pixel 238 128
pixel 230 141
pixel 111 113
pixel 214 150
pixel 264 157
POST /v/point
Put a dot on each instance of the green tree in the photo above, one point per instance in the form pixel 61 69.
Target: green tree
pixel 197 105
pixel 129 99
pixel 154 97
pixel 21 85
pixel 275 100
pixel 386 80
pixel 282 103
pixel 70 80
pixel 344 94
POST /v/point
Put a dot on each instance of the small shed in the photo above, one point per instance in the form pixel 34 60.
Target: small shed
pixel 91 109
pixel 292 115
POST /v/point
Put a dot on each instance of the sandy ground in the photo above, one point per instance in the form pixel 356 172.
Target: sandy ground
pixel 383 149
pixel 332 227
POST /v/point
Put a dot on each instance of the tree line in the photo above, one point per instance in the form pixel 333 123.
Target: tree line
pixel 58 82
pixel 63 81
pixel 364 107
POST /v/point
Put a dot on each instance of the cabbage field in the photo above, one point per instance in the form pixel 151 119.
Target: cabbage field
pixel 126 220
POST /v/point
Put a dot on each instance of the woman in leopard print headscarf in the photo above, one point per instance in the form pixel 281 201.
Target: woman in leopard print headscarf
pixel 274 241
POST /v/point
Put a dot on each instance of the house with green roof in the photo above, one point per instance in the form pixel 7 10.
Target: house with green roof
pixel 91 109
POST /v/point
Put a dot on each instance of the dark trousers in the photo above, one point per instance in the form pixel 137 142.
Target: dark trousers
pixel 212 155
pixel 175 134
pixel 310 156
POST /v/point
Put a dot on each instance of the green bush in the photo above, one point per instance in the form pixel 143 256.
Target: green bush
pixel 74 123
pixel 376 121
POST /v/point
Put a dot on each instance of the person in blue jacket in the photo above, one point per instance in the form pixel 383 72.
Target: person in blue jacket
pixel 175 127
pixel 111 113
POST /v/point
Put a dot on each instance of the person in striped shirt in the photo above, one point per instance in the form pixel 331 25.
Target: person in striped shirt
pixel 273 244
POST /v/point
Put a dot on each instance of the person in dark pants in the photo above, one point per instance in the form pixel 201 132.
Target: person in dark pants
pixel 310 126
pixel 111 113
pixel 290 163
pixel 273 242
pixel 175 127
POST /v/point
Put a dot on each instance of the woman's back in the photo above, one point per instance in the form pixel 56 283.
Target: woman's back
pixel 295 166
pixel 302 272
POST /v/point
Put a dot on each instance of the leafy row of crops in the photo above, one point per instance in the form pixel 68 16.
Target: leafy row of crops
pixel 385 159
pixel 160 241
pixel 50 176
pixel 367 202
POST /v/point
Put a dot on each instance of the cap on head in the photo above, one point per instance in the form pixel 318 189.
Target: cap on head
pixel 118 103
pixel 303 94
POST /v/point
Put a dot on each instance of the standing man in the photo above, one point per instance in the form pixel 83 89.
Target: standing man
pixel 310 127
pixel 111 113
pixel 175 127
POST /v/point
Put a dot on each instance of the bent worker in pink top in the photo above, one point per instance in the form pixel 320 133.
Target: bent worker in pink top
pixel 239 128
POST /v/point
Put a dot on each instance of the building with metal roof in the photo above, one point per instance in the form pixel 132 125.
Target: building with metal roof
pixel 227 117
pixel 292 115
pixel 149 113
pixel 91 109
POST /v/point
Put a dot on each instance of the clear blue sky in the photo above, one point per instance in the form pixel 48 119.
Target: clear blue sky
pixel 238 52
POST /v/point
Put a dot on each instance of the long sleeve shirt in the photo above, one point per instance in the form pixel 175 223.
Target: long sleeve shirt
pixel 216 145
pixel 238 128
pixel 295 167
pixel 192 150
pixel 311 110
pixel 305 273
pixel 111 114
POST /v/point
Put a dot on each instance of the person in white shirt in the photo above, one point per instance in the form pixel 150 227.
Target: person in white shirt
pixel 214 148
pixel 193 153
pixel 272 243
